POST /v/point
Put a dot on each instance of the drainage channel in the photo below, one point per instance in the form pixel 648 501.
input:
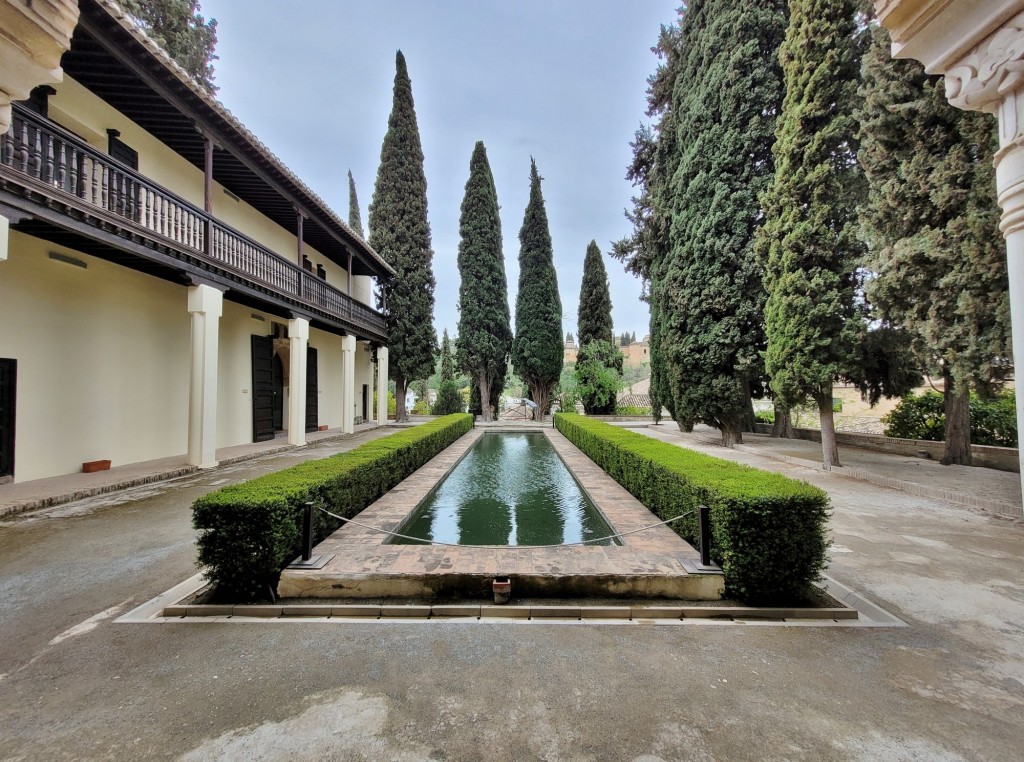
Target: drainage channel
pixel 855 611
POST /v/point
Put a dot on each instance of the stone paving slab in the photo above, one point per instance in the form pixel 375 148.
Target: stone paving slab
pixel 648 564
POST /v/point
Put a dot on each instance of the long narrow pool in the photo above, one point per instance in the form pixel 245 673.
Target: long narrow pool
pixel 509 489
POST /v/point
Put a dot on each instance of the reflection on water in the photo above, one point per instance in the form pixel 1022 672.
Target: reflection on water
pixel 510 489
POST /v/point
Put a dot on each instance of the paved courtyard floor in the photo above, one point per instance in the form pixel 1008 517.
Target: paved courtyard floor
pixel 76 685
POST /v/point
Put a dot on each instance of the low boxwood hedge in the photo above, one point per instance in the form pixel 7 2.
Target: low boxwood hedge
pixel 768 532
pixel 249 532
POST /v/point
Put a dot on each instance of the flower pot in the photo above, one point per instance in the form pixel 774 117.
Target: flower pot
pixel 92 466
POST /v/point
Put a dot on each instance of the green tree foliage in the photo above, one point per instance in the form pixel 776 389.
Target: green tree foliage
pixel 599 363
pixel 654 162
pixel 355 220
pixel 485 333
pixel 727 94
pixel 537 349
pixel 594 319
pixel 931 222
pixel 447 362
pixel 808 240
pixel 400 233
pixel 993 422
pixel 181 30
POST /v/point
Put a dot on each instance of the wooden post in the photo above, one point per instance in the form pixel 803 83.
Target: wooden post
pixel 208 176
pixel 298 235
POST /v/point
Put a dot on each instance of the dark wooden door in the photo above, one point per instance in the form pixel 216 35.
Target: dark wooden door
pixel 312 414
pixel 262 388
pixel 366 403
pixel 278 393
pixel 8 387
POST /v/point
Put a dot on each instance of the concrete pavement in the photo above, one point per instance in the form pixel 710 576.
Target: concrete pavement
pixel 76 685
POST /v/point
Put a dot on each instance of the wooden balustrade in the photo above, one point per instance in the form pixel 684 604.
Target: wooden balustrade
pixel 67 165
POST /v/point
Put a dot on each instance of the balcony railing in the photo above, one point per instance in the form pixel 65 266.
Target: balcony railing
pixel 66 165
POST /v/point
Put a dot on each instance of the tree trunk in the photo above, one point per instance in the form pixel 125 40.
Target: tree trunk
pixel 485 397
pixel 829 447
pixel 749 419
pixel 732 430
pixel 539 393
pixel 782 426
pixel 401 386
pixel 958 423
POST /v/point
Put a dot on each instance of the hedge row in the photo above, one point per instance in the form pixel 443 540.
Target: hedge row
pixel 768 531
pixel 249 532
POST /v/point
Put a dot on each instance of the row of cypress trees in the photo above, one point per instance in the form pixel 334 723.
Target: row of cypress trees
pixel 400 233
pixel 810 211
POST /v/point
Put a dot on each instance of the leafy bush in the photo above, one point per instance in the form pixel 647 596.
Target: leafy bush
pixel 764 416
pixel 632 410
pixel 599 376
pixel 248 532
pixel 449 399
pixel 768 531
pixel 923 416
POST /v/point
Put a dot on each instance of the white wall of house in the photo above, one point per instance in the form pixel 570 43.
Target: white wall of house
pixel 102 357
pixel 328 360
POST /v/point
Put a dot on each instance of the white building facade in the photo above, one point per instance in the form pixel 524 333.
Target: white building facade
pixel 168 285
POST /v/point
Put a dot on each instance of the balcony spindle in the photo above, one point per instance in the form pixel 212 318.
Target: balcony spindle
pixel 7 145
pixel 23 153
pixel 47 173
pixel 62 165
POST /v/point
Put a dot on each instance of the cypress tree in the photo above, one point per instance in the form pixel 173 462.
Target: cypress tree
pixel 400 233
pixel 651 170
pixel 180 29
pixel 931 221
pixel 449 400
pixel 355 220
pixel 537 349
pixel 485 334
pixel 808 239
pixel 599 362
pixel 728 92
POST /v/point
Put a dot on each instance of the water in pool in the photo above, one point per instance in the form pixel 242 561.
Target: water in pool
pixel 509 489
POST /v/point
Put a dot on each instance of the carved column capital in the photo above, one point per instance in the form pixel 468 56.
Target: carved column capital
pixel 991 71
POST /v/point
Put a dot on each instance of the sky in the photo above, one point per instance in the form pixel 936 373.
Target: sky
pixel 563 81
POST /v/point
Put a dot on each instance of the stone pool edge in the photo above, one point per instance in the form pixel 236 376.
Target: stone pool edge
pixel 653 564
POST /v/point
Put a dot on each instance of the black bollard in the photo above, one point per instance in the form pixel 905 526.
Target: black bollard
pixel 704 519
pixel 307 533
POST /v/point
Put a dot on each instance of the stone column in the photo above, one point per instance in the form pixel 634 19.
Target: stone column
pixel 382 386
pixel 979 47
pixel 5 237
pixel 298 339
pixel 348 384
pixel 33 37
pixel 205 306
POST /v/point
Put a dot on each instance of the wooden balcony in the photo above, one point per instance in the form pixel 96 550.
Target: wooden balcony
pixel 53 170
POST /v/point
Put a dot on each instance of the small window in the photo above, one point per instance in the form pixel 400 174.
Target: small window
pixel 121 151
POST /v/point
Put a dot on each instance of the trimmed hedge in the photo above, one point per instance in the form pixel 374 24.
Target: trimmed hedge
pixel 767 530
pixel 249 532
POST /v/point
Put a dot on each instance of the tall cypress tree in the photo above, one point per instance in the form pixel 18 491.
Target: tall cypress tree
pixel 355 220
pixel 400 233
pixel 654 163
pixel 537 349
pixel 808 238
pixel 449 400
pixel 728 92
pixel 485 333
pixel 931 220
pixel 599 362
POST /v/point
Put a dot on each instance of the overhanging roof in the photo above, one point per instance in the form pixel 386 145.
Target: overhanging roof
pixel 117 61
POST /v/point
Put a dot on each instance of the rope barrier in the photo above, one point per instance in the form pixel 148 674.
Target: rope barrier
pixel 421 541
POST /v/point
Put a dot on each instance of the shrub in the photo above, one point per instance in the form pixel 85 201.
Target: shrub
pixel 449 399
pixel 768 531
pixel 764 416
pixel 632 410
pixel 923 416
pixel 248 532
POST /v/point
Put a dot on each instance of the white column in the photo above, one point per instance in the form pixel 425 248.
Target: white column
pixel 205 306
pixel 298 338
pixel 348 384
pixel 5 236
pixel 382 386
pixel 1010 187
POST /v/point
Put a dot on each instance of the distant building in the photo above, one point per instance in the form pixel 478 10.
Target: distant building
pixel 634 355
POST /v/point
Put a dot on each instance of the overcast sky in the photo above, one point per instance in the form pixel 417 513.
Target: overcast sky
pixel 561 80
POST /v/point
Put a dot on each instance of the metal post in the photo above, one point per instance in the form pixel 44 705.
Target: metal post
pixel 307 533
pixel 704 520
